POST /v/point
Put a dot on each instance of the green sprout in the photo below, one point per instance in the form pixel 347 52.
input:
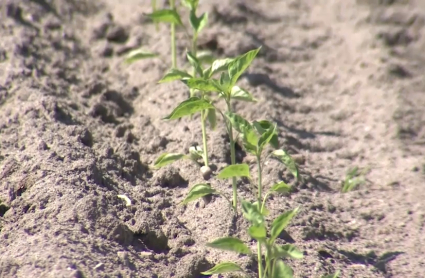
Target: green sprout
pixel 225 88
pixel 273 265
pixel 353 179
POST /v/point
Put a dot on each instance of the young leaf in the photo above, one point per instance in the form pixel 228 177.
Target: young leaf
pixel 189 107
pixel 223 268
pixel 168 16
pixel 281 222
pixel 238 122
pixel 198 191
pixel 240 64
pixel 286 159
pixel 167 158
pixel 266 137
pixel 335 275
pixel 230 244
pixel 250 141
pixel 206 57
pixel 286 251
pixel 195 63
pixel 225 83
pixel 212 118
pixel 174 74
pixel 202 85
pixel 282 270
pixel 238 93
pixel 262 126
pixel 138 54
pixel 281 187
pixel 198 23
pixel 217 66
pixel 258 232
pixel 251 213
pixel 191 4
pixel 235 170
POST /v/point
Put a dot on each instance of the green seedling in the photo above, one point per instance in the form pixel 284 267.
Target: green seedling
pixel 255 137
pixel 203 81
pixel 353 179
pixel 272 266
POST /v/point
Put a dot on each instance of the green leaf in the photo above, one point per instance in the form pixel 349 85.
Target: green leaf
pixel 240 64
pixel 166 15
pixel 205 57
pixel 335 275
pixel 198 191
pixel 191 4
pixel 225 83
pixel 281 222
pixel 251 213
pixel 287 160
pixel 238 93
pixel 238 122
pixel 262 126
pixel 258 232
pixel 175 74
pixel 167 158
pixel 195 63
pixel 138 54
pixel 235 170
pixel 189 107
pixel 217 66
pixel 230 244
pixel 198 23
pixel 223 268
pixel 286 251
pixel 281 187
pixel 282 270
pixel 250 140
pixel 212 118
pixel 266 137
pixel 202 85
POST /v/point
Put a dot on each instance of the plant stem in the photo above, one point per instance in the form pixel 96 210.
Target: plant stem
pixel 260 262
pixel 153 2
pixel 260 179
pixel 232 156
pixel 173 39
pixel 204 138
pixel 264 202
pixel 259 252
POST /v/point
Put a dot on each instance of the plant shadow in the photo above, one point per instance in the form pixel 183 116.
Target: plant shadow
pixel 258 79
pixel 371 258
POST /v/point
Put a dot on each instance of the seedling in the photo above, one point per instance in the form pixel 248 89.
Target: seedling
pixel 353 179
pixel 225 87
pixel 273 266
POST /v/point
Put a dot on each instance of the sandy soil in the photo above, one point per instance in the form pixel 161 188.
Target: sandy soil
pixel 343 80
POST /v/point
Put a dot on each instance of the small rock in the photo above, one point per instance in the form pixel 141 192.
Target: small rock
pixel 146 254
pixel 117 34
pixel 99 266
pixel 206 172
